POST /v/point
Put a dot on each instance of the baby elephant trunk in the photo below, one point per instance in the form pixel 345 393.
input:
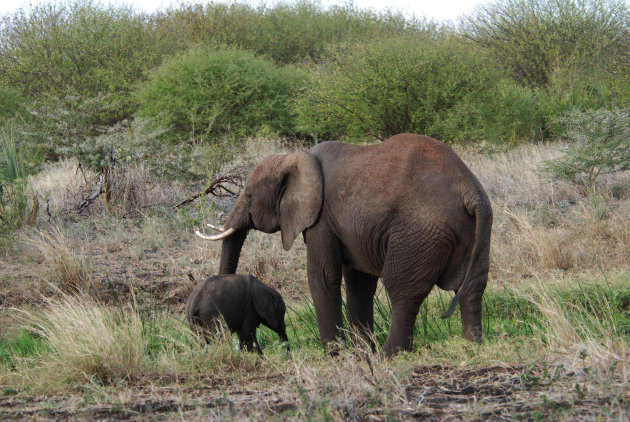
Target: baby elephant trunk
pixel 283 337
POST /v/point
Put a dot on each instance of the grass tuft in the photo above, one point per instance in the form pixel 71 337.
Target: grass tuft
pixel 71 271
pixel 89 343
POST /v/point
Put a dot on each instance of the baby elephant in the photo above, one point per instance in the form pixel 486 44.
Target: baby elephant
pixel 243 302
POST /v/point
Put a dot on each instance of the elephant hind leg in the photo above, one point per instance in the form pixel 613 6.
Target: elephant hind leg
pixel 249 342
pixel 470 305
pixel 400 336
pixel 408 280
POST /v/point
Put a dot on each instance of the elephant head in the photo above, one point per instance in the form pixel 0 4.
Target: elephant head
pixel 283 192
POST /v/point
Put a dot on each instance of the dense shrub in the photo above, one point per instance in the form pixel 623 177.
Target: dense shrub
pixel 402 85
pixel 513 112
pixel 620 81
pixel 509 113
pixel 533 38
pixel 58 123
pixel 209 93
pixel 12 105
pixel 599 143
pixel 284 32
pixel 71 70
pixel 80 49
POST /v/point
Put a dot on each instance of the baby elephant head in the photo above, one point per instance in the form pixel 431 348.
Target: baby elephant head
pixel 270 307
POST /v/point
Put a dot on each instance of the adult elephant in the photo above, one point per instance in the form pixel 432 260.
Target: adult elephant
pixel 407 210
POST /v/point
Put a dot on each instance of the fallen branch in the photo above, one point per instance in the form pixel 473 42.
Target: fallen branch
pixel 216 188
pixel 99 190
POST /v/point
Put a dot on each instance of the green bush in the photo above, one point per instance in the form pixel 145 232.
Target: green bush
pixel 12 105
pixel 285 32
pixel 534 37
pixel 619 80
pixel 80 49
pixel 599 143
pixel 515 113
pixel 138 142
pixel 512 114
pixel 401 85
pixel 58 123
pixel 210 93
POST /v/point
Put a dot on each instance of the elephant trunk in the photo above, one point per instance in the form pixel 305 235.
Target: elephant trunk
pixel 238 221
pixel 231 252
pixel 283 337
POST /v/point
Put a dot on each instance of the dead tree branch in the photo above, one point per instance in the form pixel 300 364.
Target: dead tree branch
pixel 216 188
pixel 99 189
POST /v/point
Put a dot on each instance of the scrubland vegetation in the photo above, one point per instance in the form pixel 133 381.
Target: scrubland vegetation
pixel 109 118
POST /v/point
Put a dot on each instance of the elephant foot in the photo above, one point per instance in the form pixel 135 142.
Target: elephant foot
pixel 473 334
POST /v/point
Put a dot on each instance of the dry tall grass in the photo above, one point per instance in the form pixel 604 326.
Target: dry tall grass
pixel 62 263
pixel 546 225
pixel 544 229
pixel 89 342
pixel 582 333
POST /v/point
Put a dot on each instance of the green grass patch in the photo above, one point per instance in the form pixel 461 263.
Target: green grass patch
pixel 508 313
pixel 24 344
pixel 77 340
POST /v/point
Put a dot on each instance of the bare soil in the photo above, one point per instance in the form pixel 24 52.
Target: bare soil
pixel 493 393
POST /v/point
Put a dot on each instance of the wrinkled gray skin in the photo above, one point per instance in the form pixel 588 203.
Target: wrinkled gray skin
pixel 243 302
pixel 407 210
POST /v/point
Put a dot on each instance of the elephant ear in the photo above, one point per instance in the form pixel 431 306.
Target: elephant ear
pixel 303 195
pixel 268 304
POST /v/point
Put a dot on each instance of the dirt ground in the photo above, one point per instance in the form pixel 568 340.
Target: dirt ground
pixel 494 393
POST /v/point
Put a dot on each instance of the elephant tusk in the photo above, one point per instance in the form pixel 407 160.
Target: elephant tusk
pixel 212 226
pixel 221 236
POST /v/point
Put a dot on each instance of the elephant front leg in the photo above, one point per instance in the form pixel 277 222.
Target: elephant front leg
pixel 360 290
pixel 249 342
pixel 324 281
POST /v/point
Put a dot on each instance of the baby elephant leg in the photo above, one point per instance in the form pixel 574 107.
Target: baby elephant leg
pixel 249 342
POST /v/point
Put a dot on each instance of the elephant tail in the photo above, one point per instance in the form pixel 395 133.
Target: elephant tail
pixel 479 258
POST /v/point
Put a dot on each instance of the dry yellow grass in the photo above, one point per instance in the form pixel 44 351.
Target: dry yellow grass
pixel 60 183
pixel 63 265
pixel 89 342
pixel 546 225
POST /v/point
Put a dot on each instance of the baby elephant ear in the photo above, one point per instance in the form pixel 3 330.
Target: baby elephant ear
pixel 268 304
pixel 302 196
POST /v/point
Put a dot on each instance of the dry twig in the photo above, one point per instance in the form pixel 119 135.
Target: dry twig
pixel 216 188
pixel 99 189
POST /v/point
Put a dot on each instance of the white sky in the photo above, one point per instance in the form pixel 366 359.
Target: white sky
pixel 439 10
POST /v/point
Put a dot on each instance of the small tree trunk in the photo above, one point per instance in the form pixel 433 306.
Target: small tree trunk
pixel 106 187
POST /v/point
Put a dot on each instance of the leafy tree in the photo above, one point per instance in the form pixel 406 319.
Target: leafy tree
pixel 12 105
pixel 401 85
pixel 212 93
pixel 534 37
pixel 79 49
pixel 285 32
pixel 599 143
